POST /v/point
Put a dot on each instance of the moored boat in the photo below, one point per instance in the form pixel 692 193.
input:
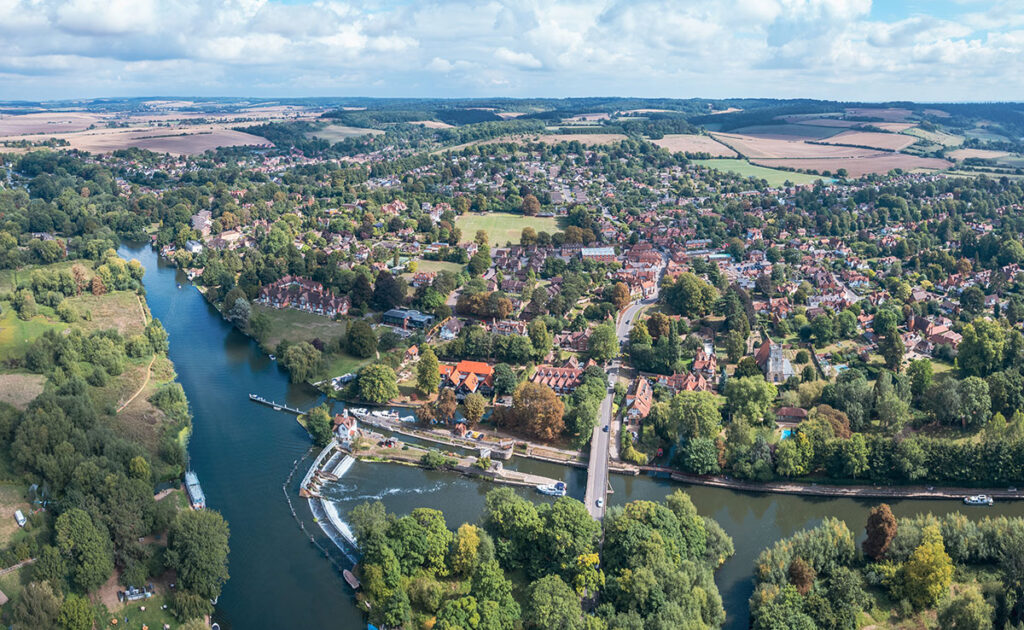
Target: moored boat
pixel 556 489
pixel 384 414
pixel 352 580
pixel 357 411
pixel 979 499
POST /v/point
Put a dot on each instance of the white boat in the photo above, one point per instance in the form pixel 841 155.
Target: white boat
pixel 408 419
pixel 273 358
pixel 387 415
pixel 979 499
pixel 357 411
pixel 556 489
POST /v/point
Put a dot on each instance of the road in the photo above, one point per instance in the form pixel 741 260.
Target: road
pixel 603 442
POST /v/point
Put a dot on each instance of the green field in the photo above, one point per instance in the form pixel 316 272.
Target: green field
pixel 502 227
pixel 936 137
pixel 427 266
pixel 337 133
pixel 773 176
pixel 17 335
pixel 295 326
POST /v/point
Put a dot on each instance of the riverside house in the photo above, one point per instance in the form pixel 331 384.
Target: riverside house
pixel 304 295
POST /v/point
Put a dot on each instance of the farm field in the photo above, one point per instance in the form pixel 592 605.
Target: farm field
pixel 337 133
pixel 821 122
pixel 502 227
pixel 788 131
pixel 862 165
pixel 46 123
pixel 886 141
pixel 184 140
pixel 694 143
pixel 963 154
pixel 773 148
pixel 582 138
pixel 432 124
pixel 936 137
pixel 888 114
pixel 774 177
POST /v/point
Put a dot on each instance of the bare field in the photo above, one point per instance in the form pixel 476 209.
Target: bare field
pixel 582 138
pixel 936 137
pixel 888 141
pixel 985 154
pixel 507 115
pixel 46 123
pixel 888 114
pixel 823 122
pixel 337 133
pixel 856 166
pixel 694 143
pixel 432 124
pixel 19 390
pixel 774 148
pixel 185 140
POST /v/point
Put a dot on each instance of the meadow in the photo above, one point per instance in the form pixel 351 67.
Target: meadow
pixel 694 143
pixel 502 227
pixel 772 176
pixel 337 133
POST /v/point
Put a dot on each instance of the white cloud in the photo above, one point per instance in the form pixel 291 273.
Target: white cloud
pixel 715 48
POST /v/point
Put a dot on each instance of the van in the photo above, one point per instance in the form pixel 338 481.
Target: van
pixel 20 518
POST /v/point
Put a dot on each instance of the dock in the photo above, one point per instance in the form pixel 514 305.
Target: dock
pixel 276 405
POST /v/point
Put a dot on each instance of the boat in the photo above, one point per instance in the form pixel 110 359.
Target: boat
pixel 408 419
pixel 357 411
pixel 254 397
pixel 273 358
pixel 979 499
pixel 386 415
pixel 556 489
pixel 179 285
pixel 352 580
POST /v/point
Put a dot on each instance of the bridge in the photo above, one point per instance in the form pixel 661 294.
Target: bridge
pixel 602 441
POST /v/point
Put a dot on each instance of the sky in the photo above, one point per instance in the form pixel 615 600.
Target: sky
pixel 864 50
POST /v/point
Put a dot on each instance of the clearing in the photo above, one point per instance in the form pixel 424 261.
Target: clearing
pixel 18 390
pixel 694 143
pixel 117 309
pixel 337 133
pixel 774 177
pixel 12 498
pixel 432 124
pixel 295 325
pixel 502 227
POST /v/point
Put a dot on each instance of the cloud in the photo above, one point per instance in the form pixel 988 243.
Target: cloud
pixel 520 59
pixel 713 48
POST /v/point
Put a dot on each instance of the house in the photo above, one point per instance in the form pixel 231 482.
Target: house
pixel 304 295
pixel 508 327
pixel 412 353
pixel 467 377
pixel 406 318
pixel 705 363
pixel 193 247
pixel 795 415
pixel 691 382
pixel 564 379
pixel 576 341
pixel 601 254
pixel 450 329
pixel 345 427
pixel 639 402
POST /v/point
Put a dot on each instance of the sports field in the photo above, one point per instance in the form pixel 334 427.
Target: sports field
pixel 502 227
pixel 742 167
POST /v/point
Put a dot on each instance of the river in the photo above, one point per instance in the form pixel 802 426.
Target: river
pixel 244 452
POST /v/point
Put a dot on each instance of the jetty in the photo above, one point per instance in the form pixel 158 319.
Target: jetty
pixel 276 405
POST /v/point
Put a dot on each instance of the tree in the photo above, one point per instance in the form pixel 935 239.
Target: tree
pixel 750 397
pixel 531 206
pixel 967 611
pixel 466 548
pixel 75 613
pixel 388 291
pixel 302 361
pixel 928 572
pixel 881 529
pixel 528 236
pixel 700 456
pixel 735 346
pixel 538 410
pixel 920 373
pixel 87 547
pixel 446 405
pixel 428 376
pixel 621 296
pixel 505 380
pixel 318 422
pixel 551 603
pixel 38 608
pixel 197 548
pixel 540 338
pixel 690 296
pixel 639 335
pixel 747 366
pixel 474 405
pixel 603 344
pixel 981 350
pixel 974 401
pixel 824 329
pixel 377 384
pixel 801 575
pixel 361 340
pixel 696 414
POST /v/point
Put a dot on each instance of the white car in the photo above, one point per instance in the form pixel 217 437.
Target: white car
pixel 600 502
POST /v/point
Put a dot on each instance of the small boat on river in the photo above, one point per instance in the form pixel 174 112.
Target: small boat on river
pixel 556 489
pixel 357 411
pixel 978 499
pixel 384 415
pixel 352 580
